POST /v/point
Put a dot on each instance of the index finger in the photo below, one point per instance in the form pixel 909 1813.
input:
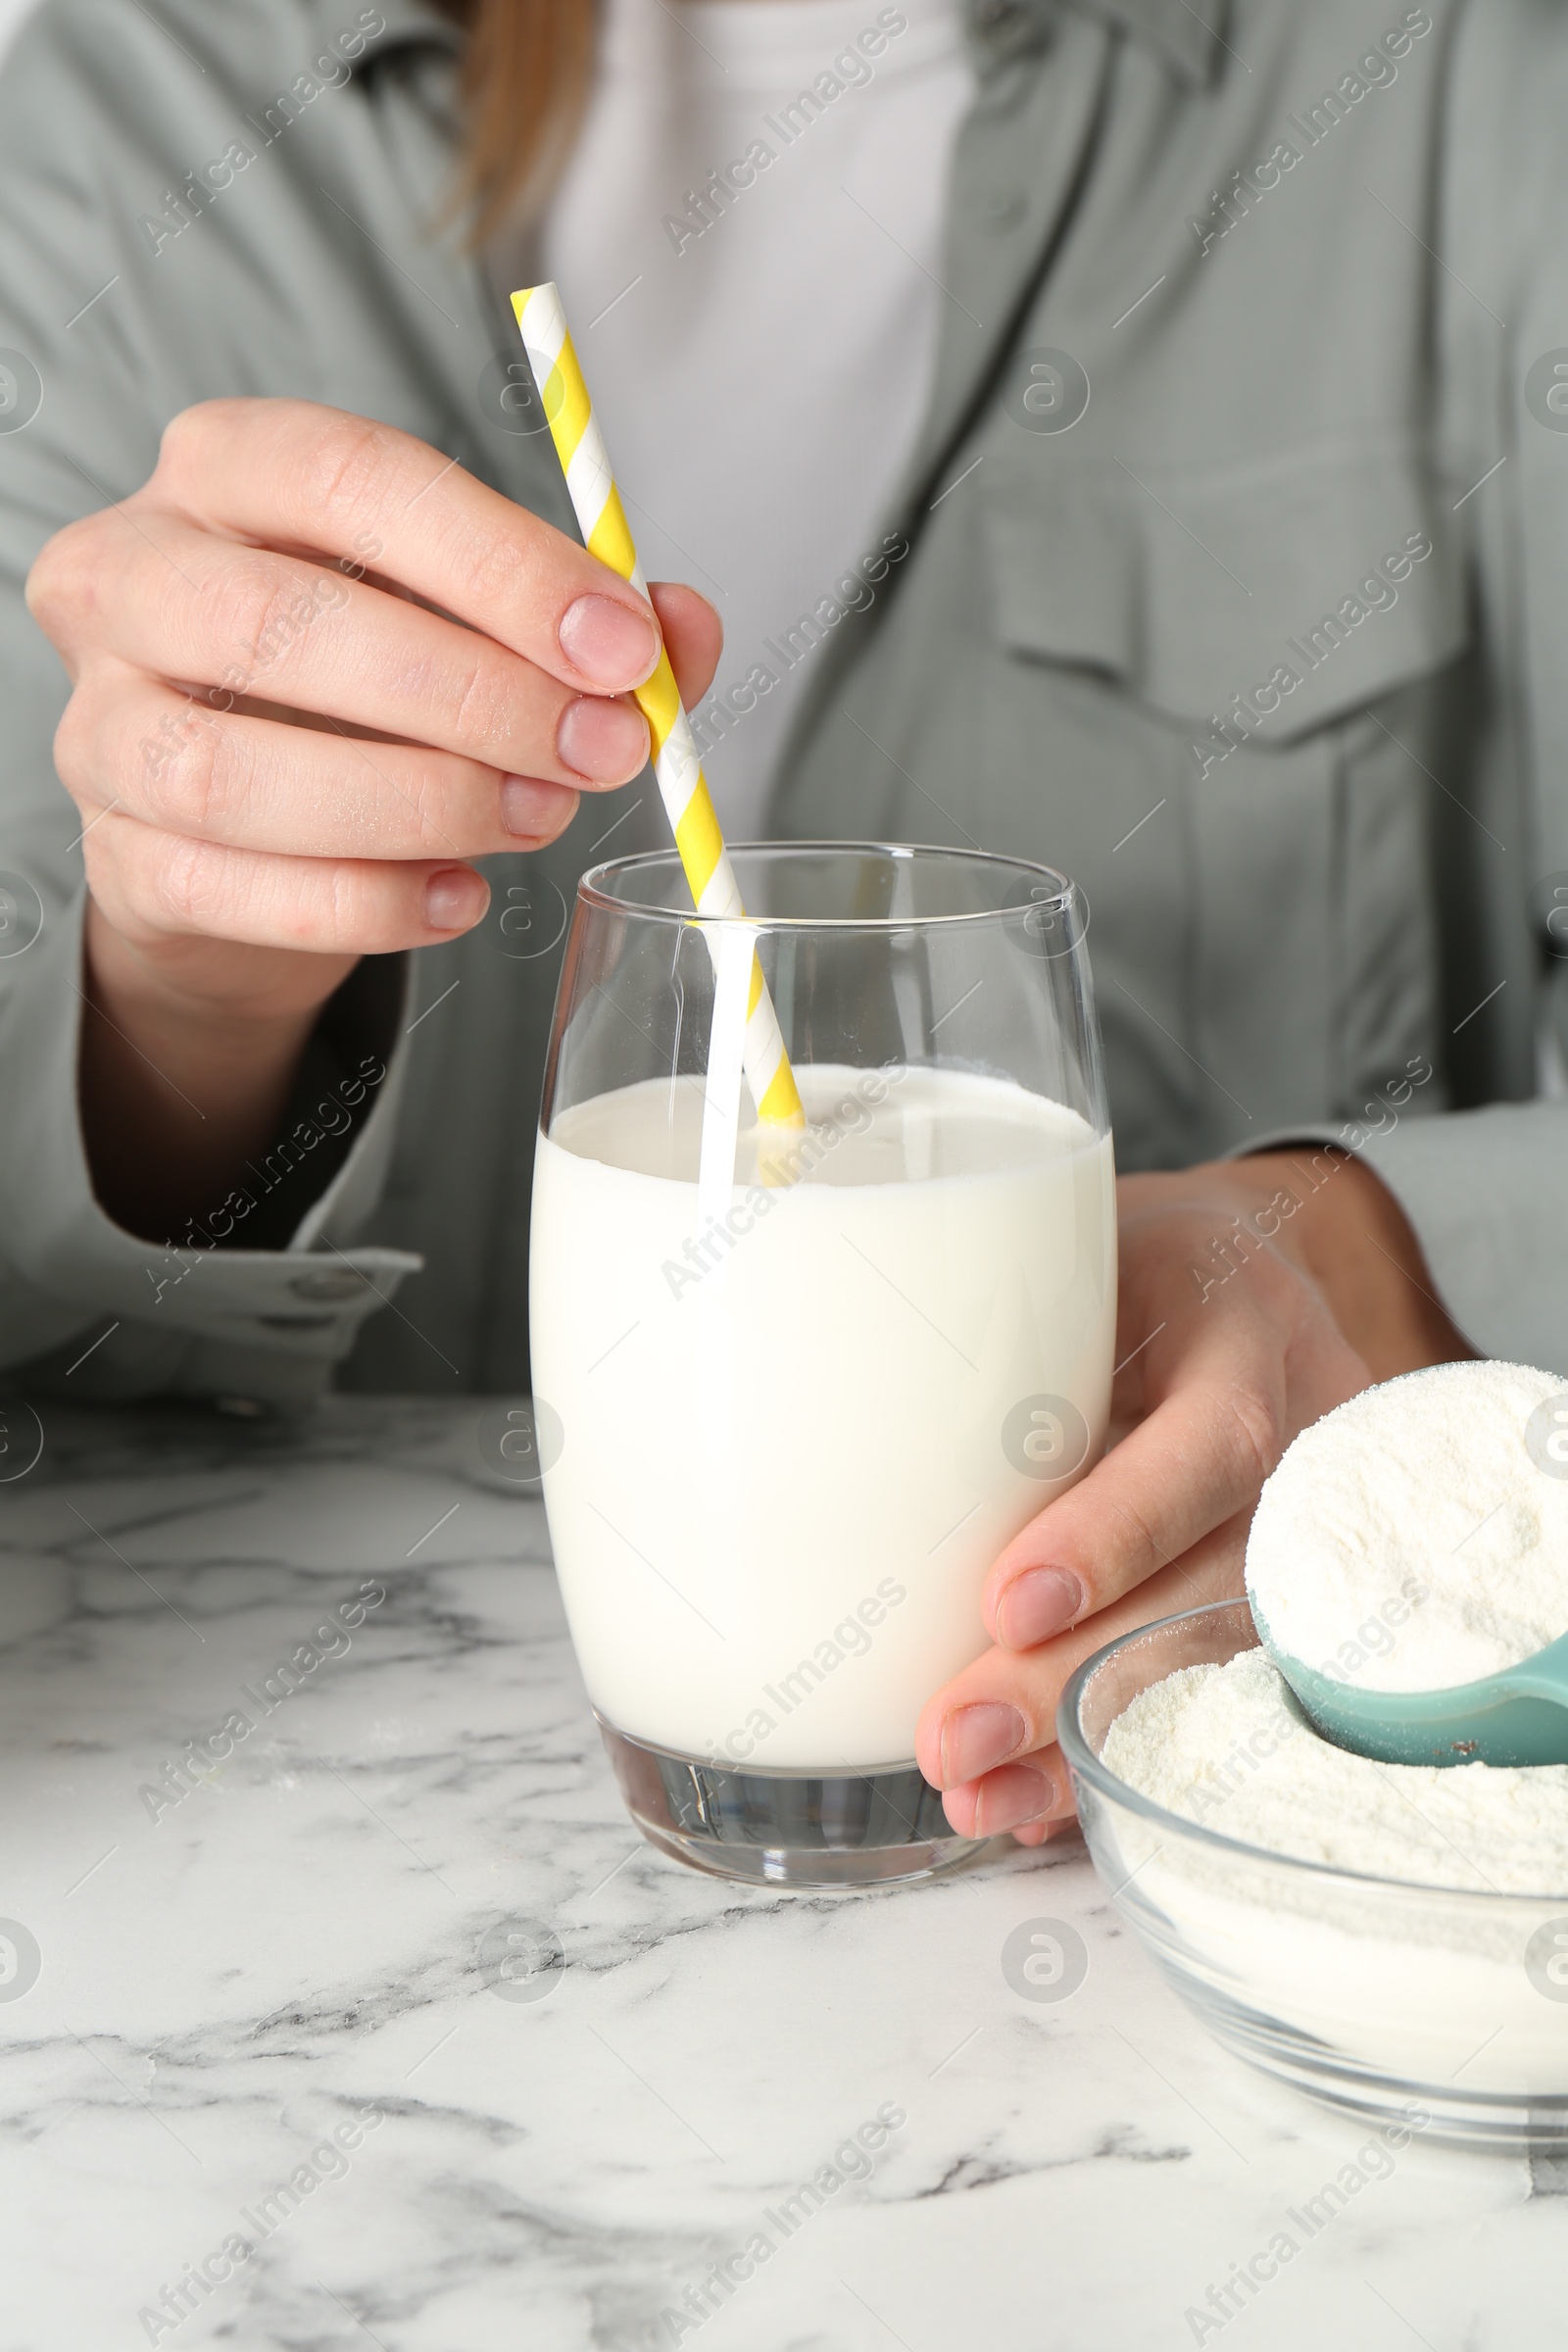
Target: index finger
pixel 1217 1388
pixel 1199 1457
pixel 1229 1383
pixel 292 473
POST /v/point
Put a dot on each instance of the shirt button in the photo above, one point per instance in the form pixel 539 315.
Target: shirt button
pixel 992 14
pixel 327 1286
pixel 1002 209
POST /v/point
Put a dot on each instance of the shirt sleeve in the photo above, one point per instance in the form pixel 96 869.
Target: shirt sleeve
pixel 1485 1187
pixel 1485 1192
pixel 94 358
pixel 88 1311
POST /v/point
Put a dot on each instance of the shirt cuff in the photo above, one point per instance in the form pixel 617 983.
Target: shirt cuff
pixel 88 1311
pixel 1483 1193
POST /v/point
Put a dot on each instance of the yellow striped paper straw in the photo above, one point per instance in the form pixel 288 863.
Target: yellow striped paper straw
pixel 602 520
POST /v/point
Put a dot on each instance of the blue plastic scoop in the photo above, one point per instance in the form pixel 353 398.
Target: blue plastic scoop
pixel 1517 1717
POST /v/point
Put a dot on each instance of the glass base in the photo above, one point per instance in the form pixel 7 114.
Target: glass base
pixel 787 1829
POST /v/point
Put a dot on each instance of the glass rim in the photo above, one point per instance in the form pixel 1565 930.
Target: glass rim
pixel 594 887
pixel 1074 1745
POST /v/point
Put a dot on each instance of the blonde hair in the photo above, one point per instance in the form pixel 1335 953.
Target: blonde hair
pixel 526 76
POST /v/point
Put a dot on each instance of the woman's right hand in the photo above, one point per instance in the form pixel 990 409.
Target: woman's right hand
pixel 315 668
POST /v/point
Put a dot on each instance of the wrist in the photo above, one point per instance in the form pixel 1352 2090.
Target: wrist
pixel 185 1069
pixel 204 995
pixel 1345 1230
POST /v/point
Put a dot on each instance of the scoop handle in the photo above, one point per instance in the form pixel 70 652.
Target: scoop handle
pixel 1545 1676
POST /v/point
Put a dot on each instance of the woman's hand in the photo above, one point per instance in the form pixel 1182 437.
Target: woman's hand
pixel 316 669
pixel 1256 1295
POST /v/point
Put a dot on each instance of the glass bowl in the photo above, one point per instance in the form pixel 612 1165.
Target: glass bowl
pixel 1375 1995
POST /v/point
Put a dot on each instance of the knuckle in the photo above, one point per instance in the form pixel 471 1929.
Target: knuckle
pixel 263 606
pixel 108 881
pixel 182 438
pixel 343 911
pixel 74 743
pixel 473 695
pixel 187 443
pixel 1257 1432
pixel 1140 1542
pixel 347 466
pixel 96 749
pixel 194 775
pixel 492 568
pixel 198 437
pixel 468 695
pixel 433 799
pixel 62 584
pixel 355 910
pixel 182 884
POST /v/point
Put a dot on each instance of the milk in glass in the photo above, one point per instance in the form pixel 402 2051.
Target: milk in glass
pixel 795 1421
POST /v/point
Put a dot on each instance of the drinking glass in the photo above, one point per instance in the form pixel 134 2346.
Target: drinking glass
pixel 793 1390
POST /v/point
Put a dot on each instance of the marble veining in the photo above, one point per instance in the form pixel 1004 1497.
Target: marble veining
pixel 266 2006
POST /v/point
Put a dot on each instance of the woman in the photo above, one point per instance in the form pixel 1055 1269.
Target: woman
pixel 1119 429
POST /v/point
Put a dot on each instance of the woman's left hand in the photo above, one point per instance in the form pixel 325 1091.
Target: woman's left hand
pixel 1218 1372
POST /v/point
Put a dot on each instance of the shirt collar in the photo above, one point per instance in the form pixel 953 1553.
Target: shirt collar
pixel 404 24
pixel 1188 33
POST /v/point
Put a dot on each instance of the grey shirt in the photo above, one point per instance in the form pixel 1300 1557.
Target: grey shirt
pixel 1235 587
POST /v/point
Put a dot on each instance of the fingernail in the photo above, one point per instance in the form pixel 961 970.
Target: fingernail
pixel 1040 1603
pixel 454 899
pixel 535 810
pixel 1021 1793
pixel 975 1740
pixel 609 642
pixel 607 743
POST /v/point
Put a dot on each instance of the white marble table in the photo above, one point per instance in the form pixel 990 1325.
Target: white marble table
pixel 296 1947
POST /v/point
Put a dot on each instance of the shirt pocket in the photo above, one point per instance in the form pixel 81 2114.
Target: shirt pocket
pixel 1242 659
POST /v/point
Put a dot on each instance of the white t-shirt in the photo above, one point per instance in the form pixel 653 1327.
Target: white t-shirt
pixel 759 345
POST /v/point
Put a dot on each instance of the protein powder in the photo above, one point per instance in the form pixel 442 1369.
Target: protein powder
pixel 1229 1746
pixel 1417 1537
